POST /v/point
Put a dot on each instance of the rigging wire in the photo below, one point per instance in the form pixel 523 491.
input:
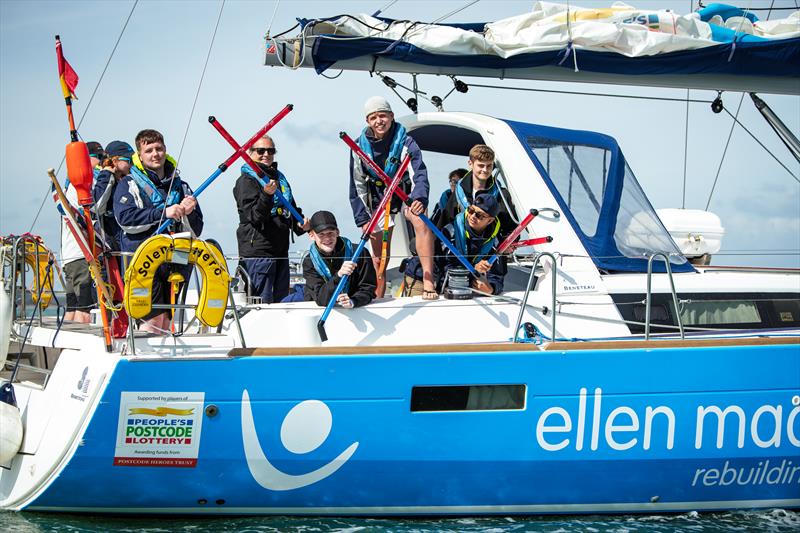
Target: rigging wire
pixel 86 109
pixel 764 147
pixel 194 104
pixel 455 11
pixel 685 150
pixel 582 93
pixel 725 151
pixel 387 6
pixel 274 11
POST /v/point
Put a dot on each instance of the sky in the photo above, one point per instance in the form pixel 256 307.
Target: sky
pixel 154 73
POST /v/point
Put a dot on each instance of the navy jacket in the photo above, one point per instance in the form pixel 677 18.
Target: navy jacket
pixel 139 218
pixel 445 260
pixel 364 195
pixel 103 195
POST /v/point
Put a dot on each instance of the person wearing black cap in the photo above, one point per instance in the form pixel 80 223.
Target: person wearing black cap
pixel 116 166
pixel 474 233
pixel 265 225
pixel 325 265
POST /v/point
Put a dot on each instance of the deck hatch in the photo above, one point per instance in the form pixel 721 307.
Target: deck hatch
pixel 467 397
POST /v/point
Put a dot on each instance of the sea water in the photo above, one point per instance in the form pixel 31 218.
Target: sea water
pixel 767 521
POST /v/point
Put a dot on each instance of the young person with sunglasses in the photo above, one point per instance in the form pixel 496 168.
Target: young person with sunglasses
pixel 265 226
pixel 387 143
pixel 474 232
pixel 116 166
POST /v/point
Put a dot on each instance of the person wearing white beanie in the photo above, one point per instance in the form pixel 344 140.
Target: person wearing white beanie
pixel 387 143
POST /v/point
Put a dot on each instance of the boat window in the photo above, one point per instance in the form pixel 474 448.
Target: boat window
pixel 467 397
pixel 638 231
pixel 787 311
pixel 579 173
pixel 719 312
pixel 712 310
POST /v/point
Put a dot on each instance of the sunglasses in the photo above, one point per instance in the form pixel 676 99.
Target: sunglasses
pixel 262 151
pixel 477 214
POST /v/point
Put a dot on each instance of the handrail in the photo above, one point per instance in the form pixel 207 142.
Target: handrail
pixel 649 299
pixel 524 301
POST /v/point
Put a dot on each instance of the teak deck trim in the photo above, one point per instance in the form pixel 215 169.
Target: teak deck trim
pixel 511 347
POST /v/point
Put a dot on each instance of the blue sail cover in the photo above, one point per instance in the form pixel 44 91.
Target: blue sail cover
pixel 736 53
pixel 749 57
pixel 600 197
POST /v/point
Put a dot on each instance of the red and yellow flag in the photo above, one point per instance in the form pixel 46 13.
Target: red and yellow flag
pixel 67 76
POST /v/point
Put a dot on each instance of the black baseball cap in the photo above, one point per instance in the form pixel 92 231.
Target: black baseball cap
pixel 322 220
pixel 487 203
pixel 96 150
pixel 119 148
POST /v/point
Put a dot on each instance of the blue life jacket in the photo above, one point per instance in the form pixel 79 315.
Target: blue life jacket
pixel 322 268
pixel 462 234
pixel 392 159
pixel 139 175
pixel 286 191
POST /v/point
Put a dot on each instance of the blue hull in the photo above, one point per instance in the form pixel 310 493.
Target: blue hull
pixel 634 430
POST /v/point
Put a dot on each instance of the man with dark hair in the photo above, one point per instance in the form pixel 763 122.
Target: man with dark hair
pixel 151 193
pixel 326 264
pixel 387 143
pixel 479 180
pixel 265 225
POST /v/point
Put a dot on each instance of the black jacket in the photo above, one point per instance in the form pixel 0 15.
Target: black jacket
pixel 261 234
pixel 362 282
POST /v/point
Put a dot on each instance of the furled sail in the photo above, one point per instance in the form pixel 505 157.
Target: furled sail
pixel 719 47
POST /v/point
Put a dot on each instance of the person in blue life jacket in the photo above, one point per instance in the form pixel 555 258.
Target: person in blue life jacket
pixel 151 193
pixel 387 143
pixel 479 180
pixel 79 288
pixel 329 259
pixel 452 179
pixel 115 166
pixel 474 233
pixel 265 225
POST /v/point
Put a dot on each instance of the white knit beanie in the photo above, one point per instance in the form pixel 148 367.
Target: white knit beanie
pixel 375 104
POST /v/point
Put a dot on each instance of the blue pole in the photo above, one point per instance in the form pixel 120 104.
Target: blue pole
pixel 339 288
pixel 199 190
pixel 282 199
